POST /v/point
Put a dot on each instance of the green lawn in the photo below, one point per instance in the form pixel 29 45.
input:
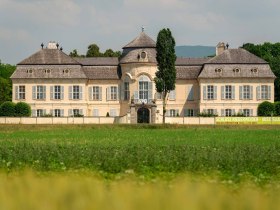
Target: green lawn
pixel 228 150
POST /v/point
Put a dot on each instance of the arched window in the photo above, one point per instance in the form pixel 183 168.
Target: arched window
pixel 126 88
pixel 145 88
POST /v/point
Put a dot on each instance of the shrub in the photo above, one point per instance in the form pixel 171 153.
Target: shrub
pixel 205 114
pixel 22 109
pixel 266 108
pixel 7 109
pixel 277 108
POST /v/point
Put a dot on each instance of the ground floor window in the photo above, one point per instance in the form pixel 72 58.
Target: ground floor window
pixel 39 112
pixel 58 113
pixel 210 111
pixel 189 112
pixel 228 112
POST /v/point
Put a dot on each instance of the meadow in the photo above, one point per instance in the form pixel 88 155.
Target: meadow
pixel 139 167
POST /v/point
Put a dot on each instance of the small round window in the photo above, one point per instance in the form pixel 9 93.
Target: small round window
pixel 218 70
pixel 143 55
pixel 236 70
pixel 254 70
pixel 66 71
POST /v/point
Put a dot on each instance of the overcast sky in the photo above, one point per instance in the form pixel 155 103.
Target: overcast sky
pixel 25 24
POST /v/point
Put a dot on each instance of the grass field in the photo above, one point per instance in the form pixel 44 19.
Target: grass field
pixel 139 167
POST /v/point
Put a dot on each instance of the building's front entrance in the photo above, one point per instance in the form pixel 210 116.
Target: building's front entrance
pixel 143 115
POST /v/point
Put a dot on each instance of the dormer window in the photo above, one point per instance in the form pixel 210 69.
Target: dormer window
pixel 143 55
pixel 254 70
pixel 47 71
pixel 29 71
pixel 218 70
pixel 236 70
pixel 66 71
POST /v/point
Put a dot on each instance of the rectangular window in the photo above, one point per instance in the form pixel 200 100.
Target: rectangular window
pixel 95 93
pixel 39 112
pixel 40 92
pixel 210 111
pixel 57 113
pixel 264 92
pixel 189 113
pixel 228 112
pixel 246 112
pixel 228 92
pixel 172 95
pixel 76 112
pixel 95 113
pixel 246 92
pixel 126 91
pixel 114 93
pixel 210 92
pixel 143 90
pixel 57 92
pixel 21 92
pixel 76 92
pixel 172 113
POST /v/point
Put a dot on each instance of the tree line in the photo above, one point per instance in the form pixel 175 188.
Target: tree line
pixel 6 71
pixel 94 51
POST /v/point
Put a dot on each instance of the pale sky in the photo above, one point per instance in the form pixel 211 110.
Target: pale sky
pixel 25 24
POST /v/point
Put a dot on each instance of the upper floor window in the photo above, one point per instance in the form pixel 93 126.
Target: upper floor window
pixel 39 92
pixel 190 93
pixel 76 92
pixel 228 92
pixel 126 91
pixel 112 93
pixel 264 92
pixel 20 92
pixel 145 88
pixel 246 92
pixel 209 92
pixel 172 95
pixel 57 92
pixel 95 93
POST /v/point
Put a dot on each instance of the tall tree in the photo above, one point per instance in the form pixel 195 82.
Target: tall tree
pixel 6 71
pixel 74 53
pixel 93 51
pixel 166 57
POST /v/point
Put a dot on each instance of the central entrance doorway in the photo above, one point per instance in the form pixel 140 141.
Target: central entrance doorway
pixel 143 115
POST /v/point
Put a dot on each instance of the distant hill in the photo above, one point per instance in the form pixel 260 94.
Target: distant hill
pixel 195 51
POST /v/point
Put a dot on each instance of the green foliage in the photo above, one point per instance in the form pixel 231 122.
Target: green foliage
pixel 144 149
pixel 6 71
pixel 111 53
pixel 270 53
pixel 7 109
pixel 204 114
pixel 22 109
pixel 166 75
pixel 266 108
pixel 93 51
pixel 277 108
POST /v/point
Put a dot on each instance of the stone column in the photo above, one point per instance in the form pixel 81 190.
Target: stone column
pixel 133 115
pixel 154 113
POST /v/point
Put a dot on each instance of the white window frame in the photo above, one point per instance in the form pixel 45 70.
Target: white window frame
pixel 228 92
pixel 264 92
pixel 228 112
pixel 57 113
pixel 76 92
pixel 40 113
pixel 96 93
pixel 246 92
pixel 57 92
pixel 21 92
pixel 210 92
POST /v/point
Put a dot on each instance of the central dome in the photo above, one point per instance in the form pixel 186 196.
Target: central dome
pixel 141 50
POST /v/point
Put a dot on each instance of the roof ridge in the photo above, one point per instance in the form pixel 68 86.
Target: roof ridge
pixel 142 40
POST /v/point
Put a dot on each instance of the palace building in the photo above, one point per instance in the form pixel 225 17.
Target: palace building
pixel 53 83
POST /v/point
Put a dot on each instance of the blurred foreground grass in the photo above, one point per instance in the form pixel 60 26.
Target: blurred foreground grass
pixel 71 191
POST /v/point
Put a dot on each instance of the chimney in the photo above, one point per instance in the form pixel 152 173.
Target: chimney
pixel 52 45
pixel 220 48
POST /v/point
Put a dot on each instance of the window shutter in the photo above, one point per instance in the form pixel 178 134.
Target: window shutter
pixel 233 92
pixel 52 93
pixel 269 93
pixel 251 112
pixel 62 92
pixel 44 112
pixel 258 92
pixel 34 92
pixel 62 112
pixel 136 95
pixel 70 92
pixel 51 112
pixel 240 111
pixel 44 92
pixel 241 92
pixel 215 112
pixel 204 93
pixel 108 91
pixel 122 91
pixel 34 113
pixel 117 92
pixel 70 112
pixel 191 94
pixel 204 111
pixel 233 112
pixel 186 111
pixel 150 90
pixel 215 92
pixel 81 111
pixel 90 97
pixel 251 92
pixel 100 93
pixel 81 93
pixel 222 112
pixel 95 112
pixel 167 113
pixel 223 92
pixel 195 111
pixel 16 96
